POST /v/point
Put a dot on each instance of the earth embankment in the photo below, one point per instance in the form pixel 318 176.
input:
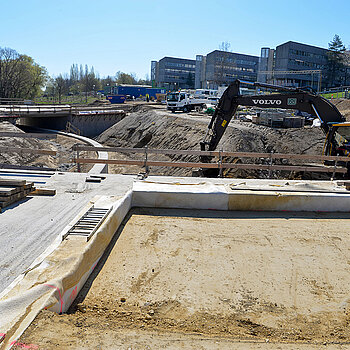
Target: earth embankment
pixel 161 130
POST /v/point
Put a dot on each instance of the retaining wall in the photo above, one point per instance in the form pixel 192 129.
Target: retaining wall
pixel 90 125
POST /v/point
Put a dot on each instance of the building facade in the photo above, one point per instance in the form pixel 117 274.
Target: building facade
pixel 293 64
pixel 266 65
pixel 174 73
pixel 222 68
pixel 290 64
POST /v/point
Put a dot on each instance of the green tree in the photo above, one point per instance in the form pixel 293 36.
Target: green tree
pixel 125 78
pixel 74 73
pixel 20 76
pixel 347 67
pixel 335 64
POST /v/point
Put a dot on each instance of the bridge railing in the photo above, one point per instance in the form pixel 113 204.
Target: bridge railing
pixel 220 164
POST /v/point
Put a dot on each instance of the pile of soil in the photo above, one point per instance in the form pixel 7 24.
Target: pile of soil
pixel 63 145
pixel 161 130
pixel 343 106
pixel 24 158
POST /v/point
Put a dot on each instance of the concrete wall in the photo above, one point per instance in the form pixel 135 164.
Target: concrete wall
pixel 94 125
pixel 90 125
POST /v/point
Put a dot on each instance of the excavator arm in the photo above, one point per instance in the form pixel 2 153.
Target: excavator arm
pixel 285 98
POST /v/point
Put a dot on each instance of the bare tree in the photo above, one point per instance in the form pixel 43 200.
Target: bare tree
pixel 224 64
pixel 62 83
pixel 225 46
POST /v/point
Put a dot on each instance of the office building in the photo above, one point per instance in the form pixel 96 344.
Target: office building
pixel 174 73
pixel 223 67
pixel 293 64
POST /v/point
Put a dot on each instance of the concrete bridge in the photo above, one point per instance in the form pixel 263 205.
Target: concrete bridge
pixel 91 121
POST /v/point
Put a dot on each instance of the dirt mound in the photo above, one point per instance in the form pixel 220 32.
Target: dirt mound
pixel 63 145
pixel 24 158
pixel 160 130
pixel 344 107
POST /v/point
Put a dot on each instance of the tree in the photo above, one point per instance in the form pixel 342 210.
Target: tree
pixel 225 46
pixel 125 78
pixel 224 65
pixel 74 74
pixel 20 76
pixel 335 64
pixel 146 81
pixel 347 67
pixel 62 84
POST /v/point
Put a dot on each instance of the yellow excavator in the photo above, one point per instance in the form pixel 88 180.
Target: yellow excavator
pixel 333 123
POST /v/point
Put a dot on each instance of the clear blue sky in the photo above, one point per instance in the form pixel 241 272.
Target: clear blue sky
pixel 114 35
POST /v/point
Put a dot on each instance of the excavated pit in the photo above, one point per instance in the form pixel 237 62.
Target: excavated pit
pixel 215 279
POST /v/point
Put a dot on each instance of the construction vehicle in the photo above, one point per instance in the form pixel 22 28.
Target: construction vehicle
pixel 333 123
pixel 184 101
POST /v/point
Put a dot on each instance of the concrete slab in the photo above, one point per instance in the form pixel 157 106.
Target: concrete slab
pixel 30 226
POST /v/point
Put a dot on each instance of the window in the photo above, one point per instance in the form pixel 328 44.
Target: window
pixel 265 52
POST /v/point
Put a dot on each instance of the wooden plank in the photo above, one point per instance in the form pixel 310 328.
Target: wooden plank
pixel 142 150
pixel 26 150
pixel 286 168
pixel 18 189
pixel 43 192
pixel 214 153
pixel 28 135
pixel 6 204
pixel 149 163
pixel 9 168
pixel 92 179
pixel 15 196
pixel 28 185
pixel 213 165
pixel 7 191
pixel 12 182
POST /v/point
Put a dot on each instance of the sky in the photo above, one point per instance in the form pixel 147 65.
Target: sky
pixel 127 35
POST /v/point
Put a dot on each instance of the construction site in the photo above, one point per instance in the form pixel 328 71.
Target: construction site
pixel 138 227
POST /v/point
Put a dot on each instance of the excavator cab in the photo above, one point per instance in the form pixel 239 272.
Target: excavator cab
pixel 338 140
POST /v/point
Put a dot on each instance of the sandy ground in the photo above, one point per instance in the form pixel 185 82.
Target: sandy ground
pixel 212 280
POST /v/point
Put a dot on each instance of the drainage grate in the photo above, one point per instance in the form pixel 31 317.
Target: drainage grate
pixel 88 224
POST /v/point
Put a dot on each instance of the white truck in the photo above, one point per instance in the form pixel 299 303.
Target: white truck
pixel 183 101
